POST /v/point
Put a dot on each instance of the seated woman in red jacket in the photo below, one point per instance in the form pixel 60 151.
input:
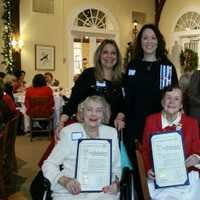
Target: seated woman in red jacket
pixel 39 89
pixel 170 119
pixel 7 99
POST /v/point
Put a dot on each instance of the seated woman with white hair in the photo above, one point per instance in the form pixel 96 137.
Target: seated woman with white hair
pixel 172 118
pixel 92 113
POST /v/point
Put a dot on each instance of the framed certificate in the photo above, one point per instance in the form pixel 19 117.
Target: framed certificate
pixel 168 159
pixel 94 164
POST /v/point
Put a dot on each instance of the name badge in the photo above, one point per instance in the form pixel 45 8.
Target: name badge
pixel 76 135
pixel 131 72
pixel 100 83
pixel 165 76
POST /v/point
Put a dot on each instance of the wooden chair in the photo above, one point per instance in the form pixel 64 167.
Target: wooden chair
pixel 142 172
pixel 2 184
pixel 40 115
pixel 9 157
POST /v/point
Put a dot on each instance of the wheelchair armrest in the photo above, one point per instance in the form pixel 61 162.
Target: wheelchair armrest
pixel 47 189
pixel 125 179
pixel 127 191
pixel 47 184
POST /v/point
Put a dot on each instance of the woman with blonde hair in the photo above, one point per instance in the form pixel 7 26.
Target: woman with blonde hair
pixel 105 79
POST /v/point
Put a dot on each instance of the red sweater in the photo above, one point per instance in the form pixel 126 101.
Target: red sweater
pixel 190 131
pixel 39 92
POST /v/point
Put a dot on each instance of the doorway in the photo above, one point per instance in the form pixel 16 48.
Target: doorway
pixel 88 29
pixel 84 48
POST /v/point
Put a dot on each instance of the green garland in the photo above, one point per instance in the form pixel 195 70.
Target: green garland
pixel 7 36
pixel 188 60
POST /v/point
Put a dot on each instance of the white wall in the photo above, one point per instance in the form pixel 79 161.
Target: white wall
pixel 39 28
pixel 172 11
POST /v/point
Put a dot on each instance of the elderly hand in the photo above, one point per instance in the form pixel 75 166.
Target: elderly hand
pixel 151 174
pixel 71 184
pixel 63 120
pixel 119 121
pixel 57 132
pixel 112 189
pixel 192 160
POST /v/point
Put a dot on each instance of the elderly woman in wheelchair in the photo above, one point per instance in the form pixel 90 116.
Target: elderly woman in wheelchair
pixel 92 113
pixel 172 119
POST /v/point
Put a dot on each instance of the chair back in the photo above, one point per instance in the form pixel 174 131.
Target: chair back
pixel 9 139
pixel 142 172
pixel 2 184
pixel 39 106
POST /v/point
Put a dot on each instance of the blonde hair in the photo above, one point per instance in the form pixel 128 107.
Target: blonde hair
pixel 96 99
pixel 117 68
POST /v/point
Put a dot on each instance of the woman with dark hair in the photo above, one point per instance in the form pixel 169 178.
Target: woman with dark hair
pixel 149 72
pixel 105 79
pixel 20 84
pixel 172 118
pixel 39 89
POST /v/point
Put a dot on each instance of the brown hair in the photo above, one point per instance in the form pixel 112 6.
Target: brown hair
pixel 117 70
pixel 161 51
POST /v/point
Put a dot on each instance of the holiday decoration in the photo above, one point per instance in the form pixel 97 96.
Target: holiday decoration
pixel 7 36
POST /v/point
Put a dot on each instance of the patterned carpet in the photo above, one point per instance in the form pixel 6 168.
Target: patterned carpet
pixel 28 154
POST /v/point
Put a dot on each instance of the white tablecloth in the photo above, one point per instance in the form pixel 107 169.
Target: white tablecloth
pixel 58 104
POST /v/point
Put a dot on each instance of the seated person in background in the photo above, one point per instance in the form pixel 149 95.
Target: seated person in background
pixel 39 88
pixel 50 80
pixel 8 80
pixel 6 113
pixel 92 112
pixel 19 85
pixel 173 118
pixel 8 101
pixel 194 96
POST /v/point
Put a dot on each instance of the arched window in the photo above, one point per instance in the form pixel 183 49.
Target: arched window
pixel 93 18
pixel 88 28
pixel 188 21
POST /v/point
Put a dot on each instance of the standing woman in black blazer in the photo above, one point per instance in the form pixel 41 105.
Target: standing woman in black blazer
pixel 147 75
pixel 105 79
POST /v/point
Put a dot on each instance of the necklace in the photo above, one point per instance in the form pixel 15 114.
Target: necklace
pixel 148 65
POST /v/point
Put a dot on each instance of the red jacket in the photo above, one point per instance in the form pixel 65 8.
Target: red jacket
pixel 190 131
pixel 9 102
pixel 39 91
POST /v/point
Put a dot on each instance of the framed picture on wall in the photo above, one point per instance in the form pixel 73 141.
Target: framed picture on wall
pixel 44 57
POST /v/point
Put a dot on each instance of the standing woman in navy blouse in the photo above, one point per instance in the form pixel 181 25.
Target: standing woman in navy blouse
pixel 147 75
pixel 105 79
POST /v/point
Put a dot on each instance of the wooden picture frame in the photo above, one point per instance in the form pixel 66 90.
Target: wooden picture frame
pixel 44 57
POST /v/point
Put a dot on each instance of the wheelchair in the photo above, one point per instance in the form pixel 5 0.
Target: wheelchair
pixel 40 187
